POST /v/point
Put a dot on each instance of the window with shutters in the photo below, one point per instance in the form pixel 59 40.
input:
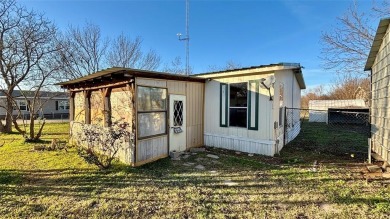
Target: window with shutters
pixel 239 105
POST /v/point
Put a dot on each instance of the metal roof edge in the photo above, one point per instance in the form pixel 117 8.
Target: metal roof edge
pixel 137 72
pixel 300 79
pixel 281 64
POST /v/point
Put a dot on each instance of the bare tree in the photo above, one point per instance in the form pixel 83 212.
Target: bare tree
pixel 127 52
pixel 346 46
pixel 317 93
pixel 348 86
pixel 83 50
pixel 229 65
pixel 175 67
pixel 382 9
pixel 27 40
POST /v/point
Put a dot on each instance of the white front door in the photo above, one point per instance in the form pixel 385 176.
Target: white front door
pixel 177 122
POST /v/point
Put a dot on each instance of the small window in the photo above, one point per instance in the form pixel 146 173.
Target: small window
pixel 238 104
pixel 63 105
pixel 281 94
pixel 178 113
pixel 21 105
pixel 280 116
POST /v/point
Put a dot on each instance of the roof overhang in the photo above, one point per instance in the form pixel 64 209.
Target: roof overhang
pixel 116 74
pixel 255 70
pixel 380 33
pixel 299 77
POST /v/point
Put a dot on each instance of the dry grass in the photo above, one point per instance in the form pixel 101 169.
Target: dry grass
pixel 59 184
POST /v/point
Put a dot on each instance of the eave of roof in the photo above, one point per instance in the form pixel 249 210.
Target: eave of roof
pixel 299 77
pixel 263 69
pixel 281 64
pixel 129 73
pixel 380 32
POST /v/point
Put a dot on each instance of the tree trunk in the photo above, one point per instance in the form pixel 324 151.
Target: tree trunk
pixel 40 131
pixel 8 116
pixel 32 133
pixel 1 126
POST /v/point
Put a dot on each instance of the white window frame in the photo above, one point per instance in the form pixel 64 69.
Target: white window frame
pixel 63 105
pixel 163 111
pixel 238 107
pixel 252 108
pixel 19 105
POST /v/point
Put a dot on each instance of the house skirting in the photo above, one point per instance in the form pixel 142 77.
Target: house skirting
pixel 264 147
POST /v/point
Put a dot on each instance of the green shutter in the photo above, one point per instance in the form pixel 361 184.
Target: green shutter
pixel 253 105
pixel 223 105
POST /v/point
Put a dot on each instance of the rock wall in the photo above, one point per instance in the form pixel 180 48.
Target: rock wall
pixel 97 137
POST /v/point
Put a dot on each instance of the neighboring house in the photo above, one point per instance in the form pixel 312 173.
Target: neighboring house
pixel 240 109
pixel 318 109
pixel 55 105
pixel 378 63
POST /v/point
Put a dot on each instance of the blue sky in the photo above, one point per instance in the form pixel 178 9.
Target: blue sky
pixel 247 32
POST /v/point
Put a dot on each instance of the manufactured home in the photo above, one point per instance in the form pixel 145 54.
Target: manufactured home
pixel 378 62
pixel 241 109
pixel 52 105
pixel 250 114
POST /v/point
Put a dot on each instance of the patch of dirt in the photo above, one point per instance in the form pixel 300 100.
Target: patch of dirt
pixel 329 208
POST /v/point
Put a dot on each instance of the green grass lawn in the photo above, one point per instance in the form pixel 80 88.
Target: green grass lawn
pixel 60 184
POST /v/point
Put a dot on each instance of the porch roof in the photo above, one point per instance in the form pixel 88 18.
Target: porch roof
pixel 122 74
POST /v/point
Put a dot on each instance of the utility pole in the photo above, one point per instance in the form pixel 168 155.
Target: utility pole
pixel 187 37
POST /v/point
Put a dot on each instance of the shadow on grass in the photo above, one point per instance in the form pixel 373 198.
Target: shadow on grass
pixel 145 191
pixel 38 141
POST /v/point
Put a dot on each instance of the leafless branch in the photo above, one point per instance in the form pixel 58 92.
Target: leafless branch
pixel 127 52
pixel 346 46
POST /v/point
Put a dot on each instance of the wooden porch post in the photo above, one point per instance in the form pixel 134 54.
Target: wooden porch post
pixel 106 93
pixel 87 106
pixel 71 106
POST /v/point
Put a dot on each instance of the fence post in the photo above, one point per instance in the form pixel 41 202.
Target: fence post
pixel 285 126
pixel 369 150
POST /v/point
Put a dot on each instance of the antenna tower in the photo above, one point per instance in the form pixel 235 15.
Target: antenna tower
pixel 187 37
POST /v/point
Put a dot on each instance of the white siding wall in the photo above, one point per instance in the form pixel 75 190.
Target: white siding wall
pixel 291 99
pixel 259 141
pixel 380 113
